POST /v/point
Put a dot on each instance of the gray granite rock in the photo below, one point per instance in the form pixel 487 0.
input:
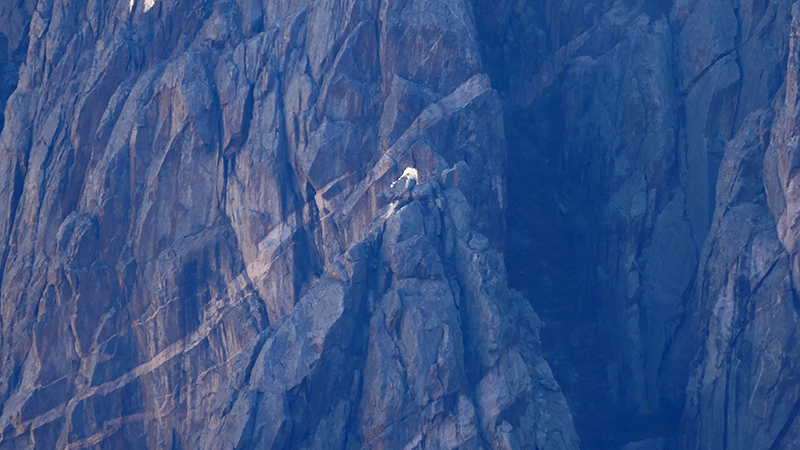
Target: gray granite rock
pixel 742 392
pixel 618 116
pixel 223 227
pixel 294 224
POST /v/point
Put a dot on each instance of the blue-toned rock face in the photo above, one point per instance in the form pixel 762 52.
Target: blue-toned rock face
pixel 330 224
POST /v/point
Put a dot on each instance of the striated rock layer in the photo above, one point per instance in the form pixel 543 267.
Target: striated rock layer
pixel 285 224
pixel 242 224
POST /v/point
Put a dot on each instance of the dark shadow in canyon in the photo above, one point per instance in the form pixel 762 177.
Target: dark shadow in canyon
pixel 553 234
pixel 551 258
pixel 548 259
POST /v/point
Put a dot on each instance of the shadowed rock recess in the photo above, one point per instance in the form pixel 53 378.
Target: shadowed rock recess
pixel 335 224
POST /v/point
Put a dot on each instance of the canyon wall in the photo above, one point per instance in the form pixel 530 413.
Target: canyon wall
pixel 245 225
pixel 625 122
pixel 291 224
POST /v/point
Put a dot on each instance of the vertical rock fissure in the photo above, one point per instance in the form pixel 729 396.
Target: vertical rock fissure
pixel 793 415
pixel 19 183
pixel 13 49
pixel 548 252
pixel 586 237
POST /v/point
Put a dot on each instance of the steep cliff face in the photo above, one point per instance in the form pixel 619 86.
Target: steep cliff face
pixel 15 17
pixel 618 115
pixel 744 389
pixel 261 225
pixel 287 224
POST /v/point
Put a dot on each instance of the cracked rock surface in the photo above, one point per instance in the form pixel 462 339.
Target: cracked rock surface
pixel 242 224
pixel 400 224
pixel 651 163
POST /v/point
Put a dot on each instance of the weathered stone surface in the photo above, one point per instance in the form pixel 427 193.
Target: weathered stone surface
pixel 743 390
pixel 283 224
pixel 618 115
pixel 744 283
pixel 227 224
